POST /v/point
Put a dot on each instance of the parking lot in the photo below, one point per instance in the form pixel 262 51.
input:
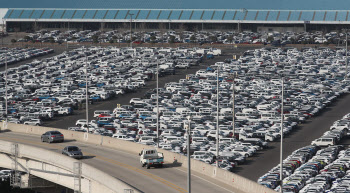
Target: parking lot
pixel 65 122
pixel 267 128
pixel 312 92
pixel 171 36
pixel 299 171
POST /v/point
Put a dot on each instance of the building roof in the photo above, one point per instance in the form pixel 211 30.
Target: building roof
pixel 180 15
pixel 182 4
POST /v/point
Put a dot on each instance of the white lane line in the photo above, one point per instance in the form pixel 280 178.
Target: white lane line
pixel 207 181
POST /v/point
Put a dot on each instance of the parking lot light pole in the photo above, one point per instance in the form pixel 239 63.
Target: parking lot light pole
pixel 217 116
pixel 3 33
pixel 281 148
pixel 87 96
pixel 346 54
pixel 233 104
pixel 157 105
pixel 188 155
pixel 5 126
pixel 131 14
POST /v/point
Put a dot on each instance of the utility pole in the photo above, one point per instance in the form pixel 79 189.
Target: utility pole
pixel 131 29
pixel 188 155
pixel 281 148
pixel 217 117
pixel 87 95
pixel 157 105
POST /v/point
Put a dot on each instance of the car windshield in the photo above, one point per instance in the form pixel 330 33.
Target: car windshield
pixel 73 149
pixel 55 133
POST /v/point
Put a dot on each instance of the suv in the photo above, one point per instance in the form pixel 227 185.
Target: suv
pixel 36 122
pixel 52 136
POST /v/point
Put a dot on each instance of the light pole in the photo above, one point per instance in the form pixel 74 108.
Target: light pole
pixel 346 54
pixel 87 95
pixel 188 155
pixel 217 116
pixel 67 37
pixel 233 104
pixel 131 14
pixel 3 33
pixel 157 105
pixel 5 126
pixel 281 148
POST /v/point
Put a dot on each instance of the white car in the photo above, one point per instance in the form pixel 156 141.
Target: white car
pixel 36 122
pixel 80 122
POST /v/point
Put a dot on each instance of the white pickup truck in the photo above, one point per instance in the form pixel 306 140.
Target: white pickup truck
pixel 151 158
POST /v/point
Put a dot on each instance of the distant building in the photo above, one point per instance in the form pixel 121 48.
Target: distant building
pixel 266 15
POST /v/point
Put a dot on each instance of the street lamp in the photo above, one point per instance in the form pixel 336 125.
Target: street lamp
pixel 346 54
pixel 6 110
pixel 188 155
pixel 86 94
pixel 217 116
pixel 234 75
pixel 131 14
pixel 281 148
pixel 157 105
pixel 3 33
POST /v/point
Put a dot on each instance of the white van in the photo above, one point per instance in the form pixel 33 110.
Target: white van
pixel 324 141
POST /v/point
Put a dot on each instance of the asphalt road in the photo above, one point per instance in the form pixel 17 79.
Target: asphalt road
pixel 126 167
pixel 302 136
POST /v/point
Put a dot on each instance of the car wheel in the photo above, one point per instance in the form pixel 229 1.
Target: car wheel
pixel 246 155
pixel 42 139
pixel 64 114
pixel 148 166
pixel 48 141
pixel 37 124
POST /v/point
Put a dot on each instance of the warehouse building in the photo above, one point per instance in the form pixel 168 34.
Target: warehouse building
pixel 256 15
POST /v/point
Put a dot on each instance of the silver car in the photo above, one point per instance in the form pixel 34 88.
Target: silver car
pixel 52 136
pixel 73 151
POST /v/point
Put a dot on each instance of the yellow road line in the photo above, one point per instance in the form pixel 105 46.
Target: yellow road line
pixel 159 179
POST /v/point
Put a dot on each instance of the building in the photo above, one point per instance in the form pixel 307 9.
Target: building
pixel 23 15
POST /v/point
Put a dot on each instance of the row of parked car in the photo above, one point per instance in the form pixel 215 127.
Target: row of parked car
pixel 170 36
pixel 311 169
pixel 55 86
pixel 13 55
pixel 310 85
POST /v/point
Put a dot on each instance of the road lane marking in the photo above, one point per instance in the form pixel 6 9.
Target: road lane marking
pixel 58 147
